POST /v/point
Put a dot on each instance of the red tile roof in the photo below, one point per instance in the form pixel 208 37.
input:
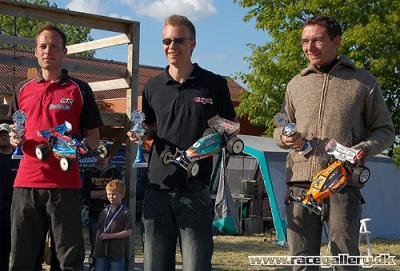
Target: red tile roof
pixel 145 73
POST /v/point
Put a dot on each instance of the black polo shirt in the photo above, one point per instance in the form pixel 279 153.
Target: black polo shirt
pixel 181 112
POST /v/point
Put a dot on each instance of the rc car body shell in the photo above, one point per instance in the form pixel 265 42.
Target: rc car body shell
pixel 329 180
pixel 63 147
pixel 220 134
pixel 204 147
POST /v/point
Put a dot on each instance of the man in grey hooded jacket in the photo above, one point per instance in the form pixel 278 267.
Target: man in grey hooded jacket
pixel 331 98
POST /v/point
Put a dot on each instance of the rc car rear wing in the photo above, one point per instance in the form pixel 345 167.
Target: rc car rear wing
pixel 343 153
pixel 223 125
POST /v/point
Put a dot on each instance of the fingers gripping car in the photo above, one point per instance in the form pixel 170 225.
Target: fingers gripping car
pixel 220 134
pixel 332 179
pixel 63 147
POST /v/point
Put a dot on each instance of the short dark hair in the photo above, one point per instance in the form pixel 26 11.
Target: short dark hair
pixel 175 20
pixel 52 27
pixel 332 26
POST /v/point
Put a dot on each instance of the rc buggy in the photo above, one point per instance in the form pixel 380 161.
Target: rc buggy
pixel 334 177
pixel 63 147
pixel 220 134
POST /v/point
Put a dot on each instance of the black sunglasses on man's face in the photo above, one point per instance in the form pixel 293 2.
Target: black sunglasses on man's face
pixel 177 41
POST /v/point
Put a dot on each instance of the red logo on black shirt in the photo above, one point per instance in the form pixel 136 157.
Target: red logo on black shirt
pixel 203 100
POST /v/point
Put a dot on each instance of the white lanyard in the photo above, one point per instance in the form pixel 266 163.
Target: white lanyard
pixel 112 218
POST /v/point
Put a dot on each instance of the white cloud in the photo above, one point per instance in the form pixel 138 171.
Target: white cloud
pixel 161 9
pixel 87 6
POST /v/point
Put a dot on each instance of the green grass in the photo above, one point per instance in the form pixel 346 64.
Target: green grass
pixel 231 252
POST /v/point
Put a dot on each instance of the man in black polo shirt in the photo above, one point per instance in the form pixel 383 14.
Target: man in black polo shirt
pixel 177 104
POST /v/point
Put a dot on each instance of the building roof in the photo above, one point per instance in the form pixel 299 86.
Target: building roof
pixel 145 73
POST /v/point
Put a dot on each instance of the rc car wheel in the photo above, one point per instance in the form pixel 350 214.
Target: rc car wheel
pixel 65 164
pixel 235 146
pixel 102 151
pixel 193 169
pixel 42 152
pixel 361 174
pixel 166 157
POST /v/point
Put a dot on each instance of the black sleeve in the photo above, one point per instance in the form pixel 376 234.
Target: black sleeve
pixel 90 115
pixel 225 106
pixel 146 107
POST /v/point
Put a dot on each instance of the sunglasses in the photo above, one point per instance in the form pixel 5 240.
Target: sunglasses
pixel 177 41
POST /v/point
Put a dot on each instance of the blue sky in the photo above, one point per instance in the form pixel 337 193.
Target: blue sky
pixel 222 36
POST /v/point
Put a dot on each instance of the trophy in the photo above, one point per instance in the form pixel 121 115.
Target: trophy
pixel 137 118
pixel 289 129
pixel 19 118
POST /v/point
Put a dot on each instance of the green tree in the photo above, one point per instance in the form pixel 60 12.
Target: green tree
pixel 371 38
pixel 396 156
pixel 26 28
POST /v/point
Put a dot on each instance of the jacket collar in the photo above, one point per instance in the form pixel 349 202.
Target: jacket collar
pixel 343 61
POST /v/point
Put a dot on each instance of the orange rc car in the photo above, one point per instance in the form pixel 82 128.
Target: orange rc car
pixel 334 177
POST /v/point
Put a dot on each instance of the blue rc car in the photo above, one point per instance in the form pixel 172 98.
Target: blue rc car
pixel 63 147
pixel 221 134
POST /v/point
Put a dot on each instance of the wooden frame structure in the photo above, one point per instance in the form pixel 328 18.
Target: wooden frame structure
pixel 128 33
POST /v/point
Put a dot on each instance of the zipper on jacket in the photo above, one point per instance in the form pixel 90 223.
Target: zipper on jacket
pixel 314 167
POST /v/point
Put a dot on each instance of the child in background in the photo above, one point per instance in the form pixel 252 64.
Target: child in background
pixel 94 194
pixel 113 230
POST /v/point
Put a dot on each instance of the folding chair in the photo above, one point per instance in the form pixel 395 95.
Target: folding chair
pixel 364 234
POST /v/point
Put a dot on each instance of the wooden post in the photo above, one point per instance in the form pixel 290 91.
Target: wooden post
pixel 131 104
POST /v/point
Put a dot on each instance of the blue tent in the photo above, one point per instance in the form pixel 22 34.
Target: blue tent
pixel 380 193
pixel 269 158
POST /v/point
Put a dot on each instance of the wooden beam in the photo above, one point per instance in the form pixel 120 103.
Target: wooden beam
pixel 18 60
pixel 17 40
pixel 38 12
pixel 70 66
pixel 11 80
pixel 120 83
pixel 98 44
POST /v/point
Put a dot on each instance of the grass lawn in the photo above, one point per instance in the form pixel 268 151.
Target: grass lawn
pixel 231 252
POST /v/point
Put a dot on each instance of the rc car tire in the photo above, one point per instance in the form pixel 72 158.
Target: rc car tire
pixel 42 152
pixel 235 146
pixel 165 157
pixel 361 174
pixel 65 164
pixel 193 169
